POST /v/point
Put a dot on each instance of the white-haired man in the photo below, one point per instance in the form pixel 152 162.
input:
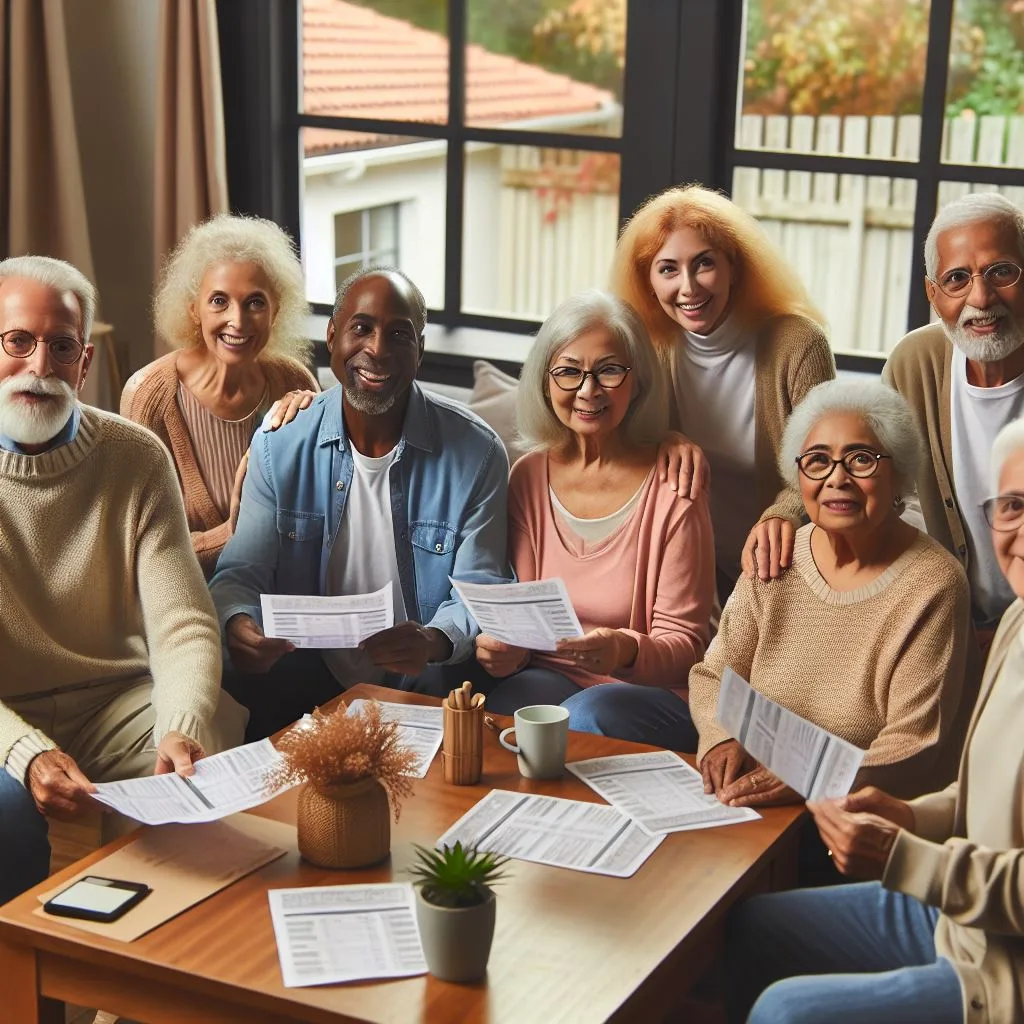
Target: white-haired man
pixel 110 647
pixel 964 379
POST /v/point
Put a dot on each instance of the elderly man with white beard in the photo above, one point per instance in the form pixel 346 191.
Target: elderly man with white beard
pixel 109 646
pixel 964 379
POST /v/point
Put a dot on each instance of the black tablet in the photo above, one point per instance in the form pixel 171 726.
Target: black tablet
pixel 97 899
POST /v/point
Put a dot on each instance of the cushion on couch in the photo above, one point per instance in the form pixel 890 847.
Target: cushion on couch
pixel 494 400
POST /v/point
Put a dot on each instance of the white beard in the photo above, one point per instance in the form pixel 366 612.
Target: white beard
pixel 990 348
pixel 26 424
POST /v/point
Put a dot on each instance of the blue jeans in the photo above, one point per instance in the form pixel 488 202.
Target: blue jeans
pixel 846 955
pixel 625 711
pixel 24 846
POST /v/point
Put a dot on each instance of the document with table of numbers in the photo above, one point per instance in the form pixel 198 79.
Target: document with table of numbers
pixel 419 726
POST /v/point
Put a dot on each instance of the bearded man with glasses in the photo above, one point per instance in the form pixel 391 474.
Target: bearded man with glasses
pixel 964 379
pixel 109 643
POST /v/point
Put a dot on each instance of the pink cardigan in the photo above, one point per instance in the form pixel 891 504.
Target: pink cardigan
pixel 663 556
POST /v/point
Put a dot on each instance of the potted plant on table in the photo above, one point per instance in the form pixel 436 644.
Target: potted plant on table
pixel 455 908
pixel 350 764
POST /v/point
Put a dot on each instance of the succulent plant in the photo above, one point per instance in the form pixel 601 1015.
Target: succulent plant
pixel 456 876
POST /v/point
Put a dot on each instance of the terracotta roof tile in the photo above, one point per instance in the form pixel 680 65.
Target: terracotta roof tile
pixel 359 63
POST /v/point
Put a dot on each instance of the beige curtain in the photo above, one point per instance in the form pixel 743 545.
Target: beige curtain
pixel 190 167
pixel 43 196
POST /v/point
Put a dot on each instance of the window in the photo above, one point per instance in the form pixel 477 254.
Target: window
pixel 363 238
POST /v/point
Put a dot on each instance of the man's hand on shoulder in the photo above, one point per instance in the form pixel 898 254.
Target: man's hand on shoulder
pixel 58 786
pixel 407 648
pixel 250 650
pixel 177 752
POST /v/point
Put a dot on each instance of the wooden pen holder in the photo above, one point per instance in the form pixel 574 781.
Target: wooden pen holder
pixel 462 745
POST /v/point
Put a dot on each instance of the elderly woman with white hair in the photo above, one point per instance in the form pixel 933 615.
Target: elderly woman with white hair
pixel 866 635
pixel 586 505
pixel 232 303
pixel 936 932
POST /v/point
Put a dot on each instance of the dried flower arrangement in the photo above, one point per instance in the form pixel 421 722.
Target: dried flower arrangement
pixel 333 749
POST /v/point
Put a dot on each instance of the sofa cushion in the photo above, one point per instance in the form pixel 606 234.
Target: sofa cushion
pixel 494 400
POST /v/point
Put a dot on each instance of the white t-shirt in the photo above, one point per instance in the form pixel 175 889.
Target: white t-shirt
pixel 363 558
pixel 714 390
pixel 593 531
pixel 977 415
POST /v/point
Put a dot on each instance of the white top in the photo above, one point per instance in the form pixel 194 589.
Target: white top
pixel 714 391
pixel 977 415
pixel 363 558
pixel 593 531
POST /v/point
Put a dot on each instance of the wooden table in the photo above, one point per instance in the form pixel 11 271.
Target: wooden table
pixel 569 946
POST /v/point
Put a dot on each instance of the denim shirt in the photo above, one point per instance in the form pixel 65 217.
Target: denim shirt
pixel 449 506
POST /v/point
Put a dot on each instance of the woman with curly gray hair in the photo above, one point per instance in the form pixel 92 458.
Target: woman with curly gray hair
pixel 232 303
pixel 866 635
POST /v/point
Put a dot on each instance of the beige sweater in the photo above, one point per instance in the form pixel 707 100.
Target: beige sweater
pixel 881 666
pixel 98 581
pixel 976 876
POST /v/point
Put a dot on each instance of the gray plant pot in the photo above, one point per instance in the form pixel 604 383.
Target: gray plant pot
pixel 456 941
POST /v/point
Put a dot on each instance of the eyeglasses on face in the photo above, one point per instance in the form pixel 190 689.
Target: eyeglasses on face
pixel 571 378
pixel 20 344
pixel 1004 512
pixel 861 463
pixel 957 283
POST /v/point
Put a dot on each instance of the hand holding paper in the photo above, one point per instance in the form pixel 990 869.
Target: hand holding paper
pixel 327 622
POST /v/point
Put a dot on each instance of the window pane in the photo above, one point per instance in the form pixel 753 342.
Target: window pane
pixel 384 59
pixel 833 76
pixel 540 224
pixel 849 238
pixel 547 65
pixel 985 91
pixel 371 199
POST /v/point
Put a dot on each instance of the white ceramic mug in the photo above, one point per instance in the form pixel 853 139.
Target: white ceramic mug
pixel 541 731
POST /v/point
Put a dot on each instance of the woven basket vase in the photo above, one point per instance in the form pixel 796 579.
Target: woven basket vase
pixel 344 826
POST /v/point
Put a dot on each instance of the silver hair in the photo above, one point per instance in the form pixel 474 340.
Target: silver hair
pixel 884 411
pixel 969 209
pixel 227 238
pixel 646 421
pixel 1009 441
pixel 60 275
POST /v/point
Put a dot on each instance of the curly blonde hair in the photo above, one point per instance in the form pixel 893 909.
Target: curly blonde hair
pixel 226 237
pixel 762 286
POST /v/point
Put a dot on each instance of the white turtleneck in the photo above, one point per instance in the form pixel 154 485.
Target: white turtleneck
pixel 714 392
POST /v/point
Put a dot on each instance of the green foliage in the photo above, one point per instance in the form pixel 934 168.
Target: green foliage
pixel 455 876
pixel 986 69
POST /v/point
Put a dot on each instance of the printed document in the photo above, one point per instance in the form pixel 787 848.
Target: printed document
pixel 549 830
pixel 222 784
pixel 531 615
pixel 659 791
pixel 815 763
pixel 333 933
pixel 328 622
pixel 419 727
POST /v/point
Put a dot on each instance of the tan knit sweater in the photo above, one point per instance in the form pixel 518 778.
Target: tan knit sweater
pixel 792 355
pixel 881 666
pixel 150 398
pixel 976 876
pixel 97 580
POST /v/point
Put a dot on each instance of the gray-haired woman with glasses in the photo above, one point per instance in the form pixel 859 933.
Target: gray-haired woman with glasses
pixel 866 635
pixel 586 505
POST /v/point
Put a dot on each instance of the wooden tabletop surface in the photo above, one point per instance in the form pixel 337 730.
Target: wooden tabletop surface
pixel 569 946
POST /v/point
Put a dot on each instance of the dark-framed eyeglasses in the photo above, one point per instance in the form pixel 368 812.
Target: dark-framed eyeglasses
pixel 1004 512
pixel 20 344
pixel 861 463
pixel 957 283
pixel 572 378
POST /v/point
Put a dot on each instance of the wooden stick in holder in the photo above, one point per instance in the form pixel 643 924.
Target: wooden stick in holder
pixel 462 747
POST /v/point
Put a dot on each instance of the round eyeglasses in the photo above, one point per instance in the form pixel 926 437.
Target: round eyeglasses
pixel 861 463
pixel 957 283
pixel 20 344
pixel 571 378
pixel 1005 512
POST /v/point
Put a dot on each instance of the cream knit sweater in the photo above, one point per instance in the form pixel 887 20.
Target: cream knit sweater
pixel 881 666
pixel 98 581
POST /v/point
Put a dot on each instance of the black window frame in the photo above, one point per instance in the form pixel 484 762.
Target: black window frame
pixel 670 135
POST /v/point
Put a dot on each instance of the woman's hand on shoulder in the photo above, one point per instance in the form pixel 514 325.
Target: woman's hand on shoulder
pixel 768 552
pixel 758 788
pixel 286 408
pixel 723 764
pixel 499 659
pixel 683 465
